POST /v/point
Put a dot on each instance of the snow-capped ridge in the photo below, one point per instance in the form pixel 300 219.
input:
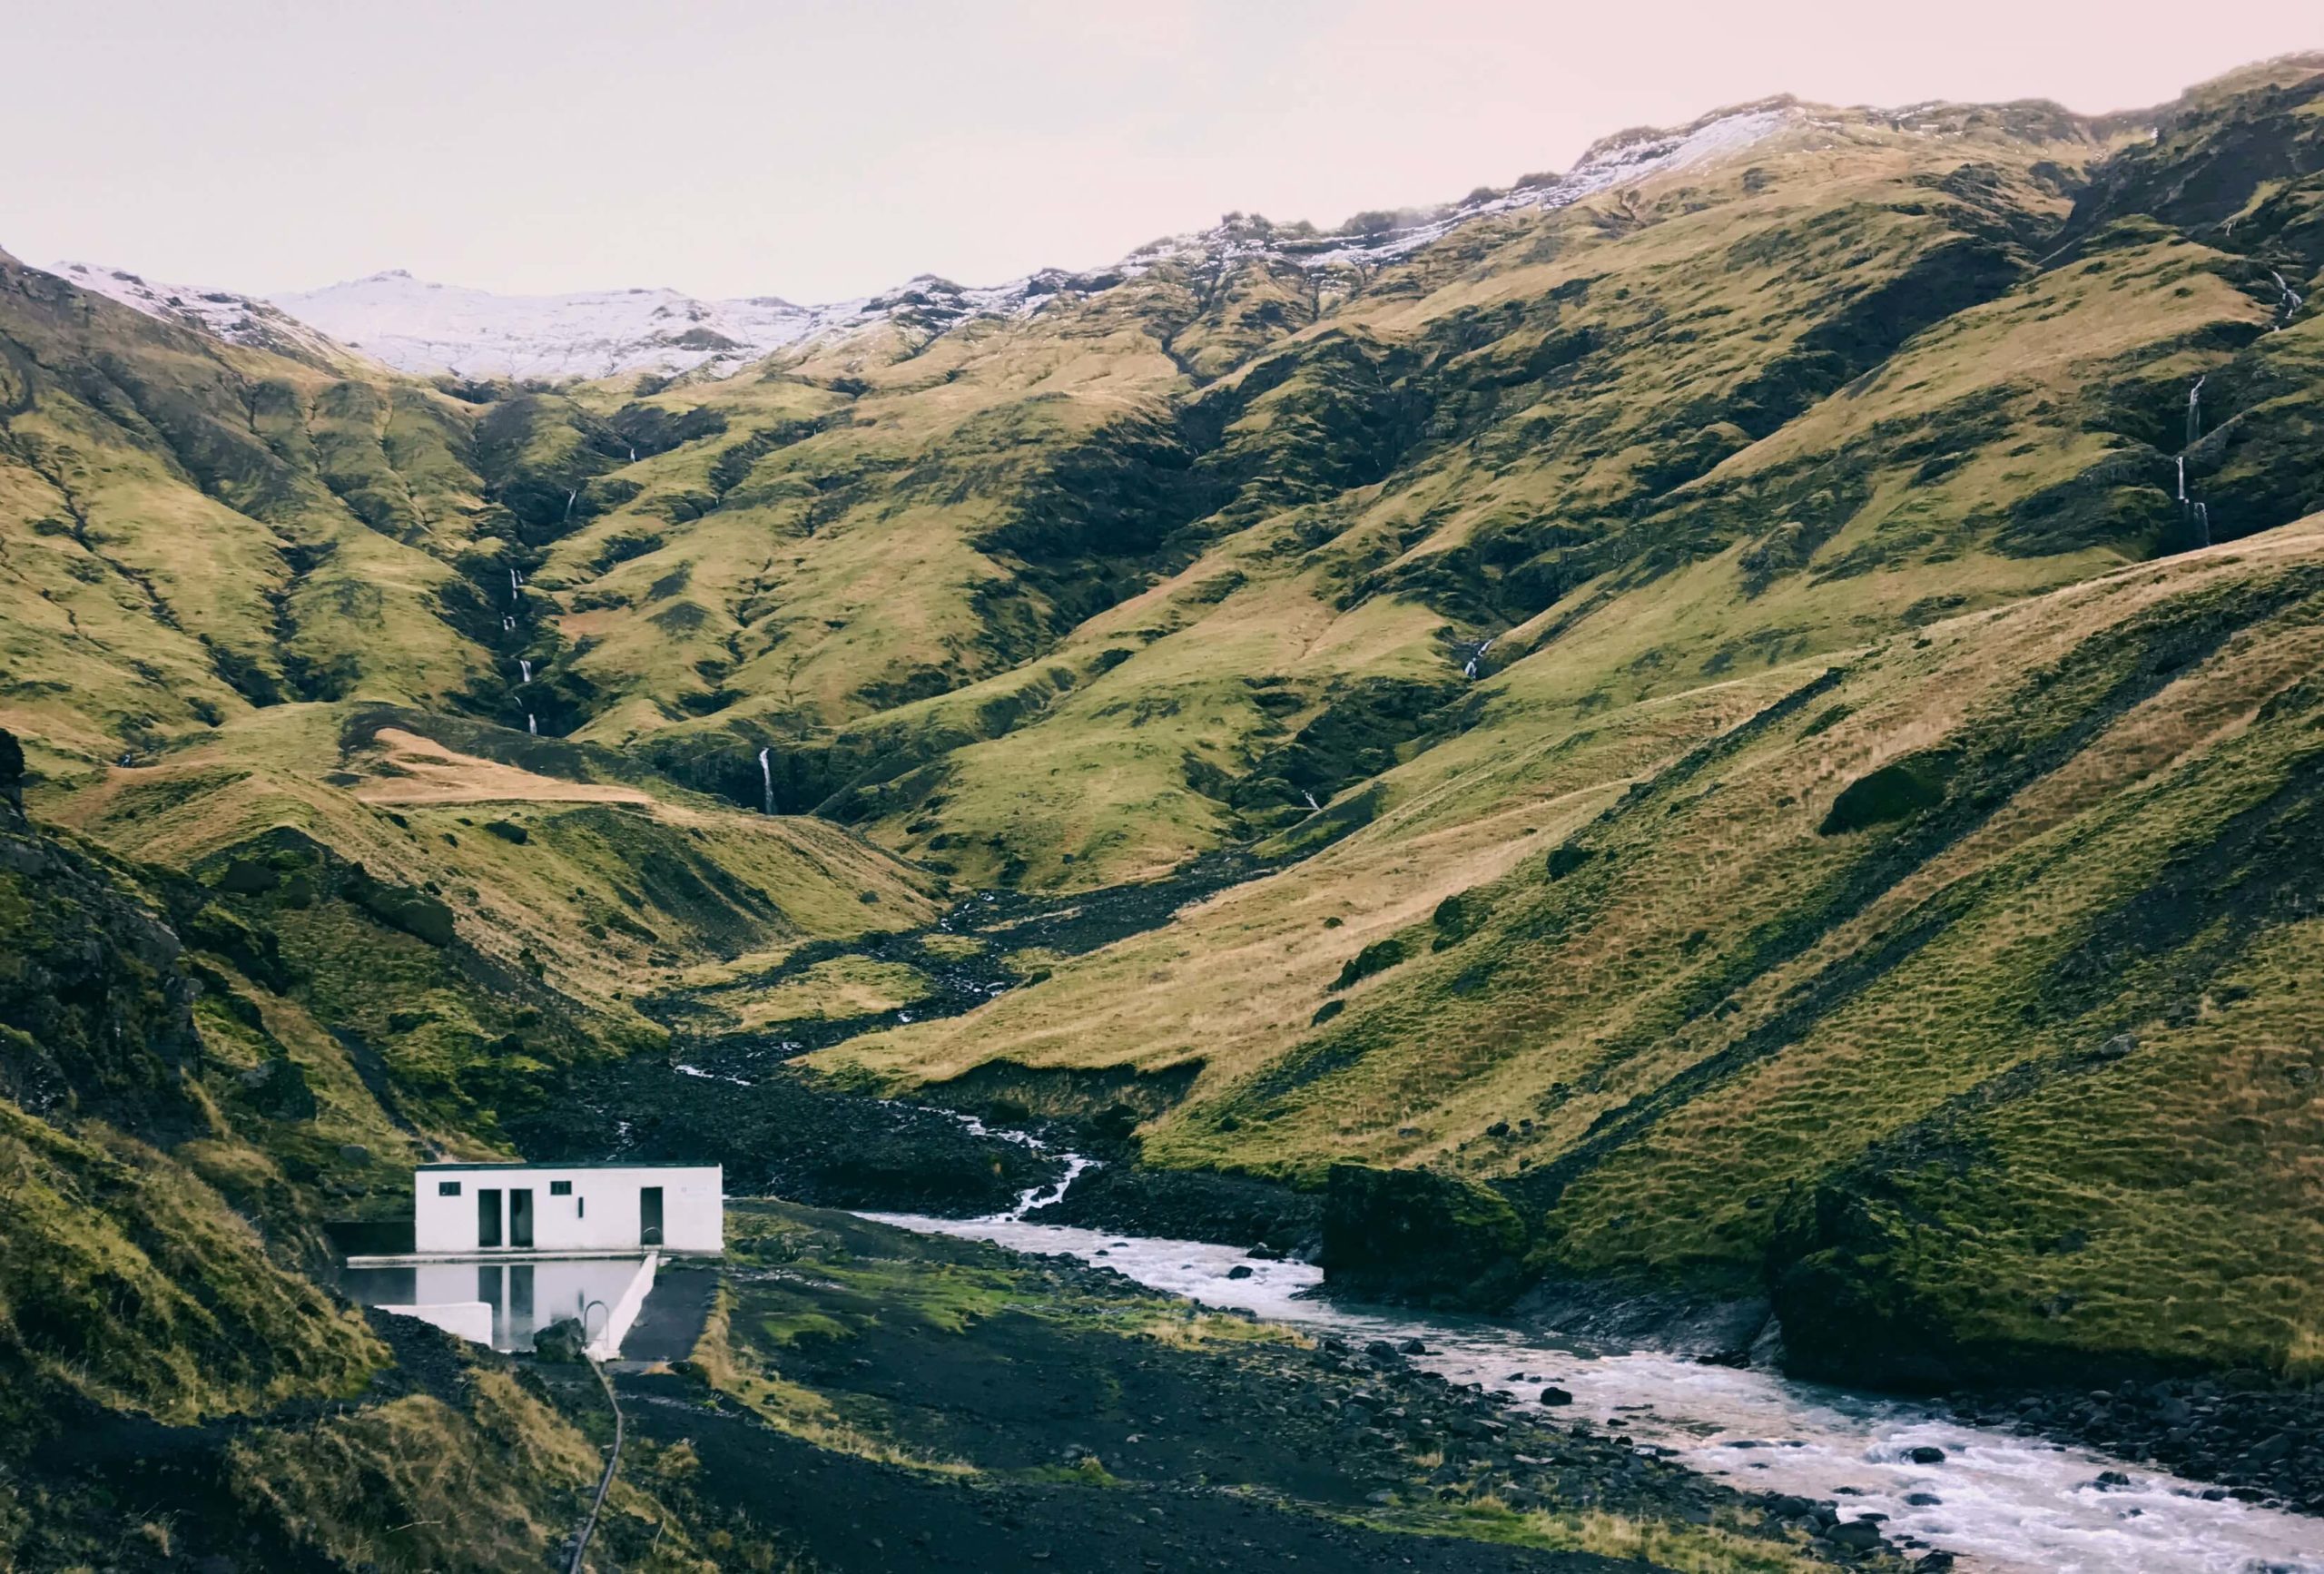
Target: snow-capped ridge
pixel 424 327
pixel 221 313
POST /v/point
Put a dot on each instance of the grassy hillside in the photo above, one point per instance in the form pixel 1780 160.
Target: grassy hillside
pixel 1768 918
pixel 1770 693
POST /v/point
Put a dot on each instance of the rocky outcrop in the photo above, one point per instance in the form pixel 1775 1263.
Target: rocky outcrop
pixel 1416 1235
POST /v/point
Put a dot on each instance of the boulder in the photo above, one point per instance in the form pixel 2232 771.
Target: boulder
pixel 1856 1535
pixel 564 1341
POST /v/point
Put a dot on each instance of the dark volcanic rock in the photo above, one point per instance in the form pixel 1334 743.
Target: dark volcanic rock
pixel 1190 1205
pixel 781 1136
pixel 2257 1436
pixel 562 1341
pixel 1416 1235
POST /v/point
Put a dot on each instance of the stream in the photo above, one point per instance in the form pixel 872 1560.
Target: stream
pixel 1998 1501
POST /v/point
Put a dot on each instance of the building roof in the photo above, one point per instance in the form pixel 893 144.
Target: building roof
pixel 595 1164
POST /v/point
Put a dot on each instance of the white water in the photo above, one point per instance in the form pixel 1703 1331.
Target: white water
pixel 532 726
pixel 2182 477
pixel 766 776
pixel 2203 523
pixel 2195 411
pixel 2008 1503
pixel 524 671
pixel 1311 805
pixel 1475 656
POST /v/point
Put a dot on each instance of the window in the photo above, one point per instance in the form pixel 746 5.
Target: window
pixel 580 1207
pixel 560 1189
pixel 447 1188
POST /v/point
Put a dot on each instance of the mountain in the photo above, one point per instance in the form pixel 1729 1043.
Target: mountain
pixel 425 328
pixel 1735 729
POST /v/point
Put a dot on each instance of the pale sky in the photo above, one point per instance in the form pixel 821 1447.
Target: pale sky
pixel 821 151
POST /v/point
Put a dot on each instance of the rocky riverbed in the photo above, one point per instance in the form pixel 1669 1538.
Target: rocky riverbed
pixel 867 1397
pixel 1929 1480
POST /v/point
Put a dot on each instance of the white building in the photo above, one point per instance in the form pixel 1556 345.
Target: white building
pixel 485 1210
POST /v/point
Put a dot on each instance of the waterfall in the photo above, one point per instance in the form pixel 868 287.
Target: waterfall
pixel 2195 412
pixel 516 585
pixel 1475 656
pixel 1311 804
pixel 2203 525
pixel 766 777
pixel 524 671
pixel 2182 477
pixel 509 623
pixel 569 496
pixel 531 726
pixel 2291 301
pixel 633 455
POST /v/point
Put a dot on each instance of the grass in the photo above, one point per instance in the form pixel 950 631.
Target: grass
pixel 1848 459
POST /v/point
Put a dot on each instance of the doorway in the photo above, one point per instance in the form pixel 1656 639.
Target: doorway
pixel 487 1217
pixel 649 1216
pixel 520 1216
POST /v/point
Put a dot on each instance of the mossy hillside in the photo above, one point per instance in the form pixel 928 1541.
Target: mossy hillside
pixel 600 869
pixel 132 1284
pixel 909 475
pixel 425 960
pixel 1653 1043
pixel 1231 982
pixel 1654 1164
pixel 175 1387
pixel 180 495
pixel 1605 292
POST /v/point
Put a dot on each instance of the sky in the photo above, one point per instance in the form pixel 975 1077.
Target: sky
pixel 824 151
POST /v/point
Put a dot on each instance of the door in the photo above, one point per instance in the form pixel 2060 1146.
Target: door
pixel 487 1217
pixel 649 1216
pixel 520 1216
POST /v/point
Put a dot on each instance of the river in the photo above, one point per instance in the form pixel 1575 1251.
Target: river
pixel 1999 1501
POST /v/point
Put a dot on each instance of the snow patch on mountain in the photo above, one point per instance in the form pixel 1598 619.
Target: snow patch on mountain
pixel 421 327
pixel 1622 159
pixel 425 328
pixel 221 313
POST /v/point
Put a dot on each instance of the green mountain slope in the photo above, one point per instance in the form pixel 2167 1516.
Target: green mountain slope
pixel 1771 697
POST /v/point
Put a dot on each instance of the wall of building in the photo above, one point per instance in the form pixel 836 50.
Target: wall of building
pixel 602 1215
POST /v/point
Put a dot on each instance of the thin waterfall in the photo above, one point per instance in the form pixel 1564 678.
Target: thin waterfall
pixel 766 779
pixel 2289 308
pixel 1476 656
pixel 2195 412
pixel 516 585
pixel 2203 525
pixel 1311 804
pixel 508 623
pixel 524 671
pixel 531 726
pixel 2182 477
pixel 569 496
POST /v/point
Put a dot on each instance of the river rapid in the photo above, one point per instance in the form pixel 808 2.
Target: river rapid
pixel 1998 1501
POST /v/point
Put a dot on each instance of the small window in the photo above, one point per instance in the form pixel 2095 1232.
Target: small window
pixel 560 1189
pixel 447 1188
pixel 580 1207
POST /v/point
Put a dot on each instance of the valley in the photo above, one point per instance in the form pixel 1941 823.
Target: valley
pixel 1700 773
